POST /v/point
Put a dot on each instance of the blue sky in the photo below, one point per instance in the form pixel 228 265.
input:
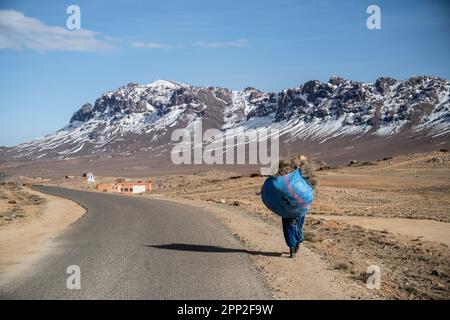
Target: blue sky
pixel 47 73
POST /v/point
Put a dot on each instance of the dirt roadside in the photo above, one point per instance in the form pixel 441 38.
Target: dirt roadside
pixel 26 239
pixel 428 230
pixel 307 277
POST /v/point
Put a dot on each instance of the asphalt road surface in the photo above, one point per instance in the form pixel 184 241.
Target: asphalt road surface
pixel 138 248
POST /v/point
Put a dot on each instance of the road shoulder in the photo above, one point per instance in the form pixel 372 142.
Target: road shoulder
pixel 24 242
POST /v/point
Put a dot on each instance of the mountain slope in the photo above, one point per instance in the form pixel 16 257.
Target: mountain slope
pixel 140 118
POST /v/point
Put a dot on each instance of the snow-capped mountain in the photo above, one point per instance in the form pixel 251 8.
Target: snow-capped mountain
pixel 140 118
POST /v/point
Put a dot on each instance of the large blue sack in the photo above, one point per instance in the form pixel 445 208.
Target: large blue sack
pixel 288 196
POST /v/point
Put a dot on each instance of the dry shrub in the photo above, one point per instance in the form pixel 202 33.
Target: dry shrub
pixel 299 162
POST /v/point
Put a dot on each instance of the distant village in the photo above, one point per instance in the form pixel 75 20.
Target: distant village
pixel 121 185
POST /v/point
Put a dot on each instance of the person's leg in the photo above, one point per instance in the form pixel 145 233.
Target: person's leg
pixel 299 232
pixel 300 222
pixel 289 231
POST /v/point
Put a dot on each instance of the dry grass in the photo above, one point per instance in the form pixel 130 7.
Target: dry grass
pixel 410 268
pixel 16 203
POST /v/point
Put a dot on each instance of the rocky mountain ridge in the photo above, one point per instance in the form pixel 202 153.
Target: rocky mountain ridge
pixel 141 117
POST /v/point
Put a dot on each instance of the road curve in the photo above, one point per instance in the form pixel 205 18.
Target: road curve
pixel 139 248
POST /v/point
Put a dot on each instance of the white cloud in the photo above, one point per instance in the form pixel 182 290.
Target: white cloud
pixel 238 43
pixel 157 45
pixel 19 32
pixel 150 45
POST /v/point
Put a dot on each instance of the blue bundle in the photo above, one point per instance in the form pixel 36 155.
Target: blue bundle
pixel 288 196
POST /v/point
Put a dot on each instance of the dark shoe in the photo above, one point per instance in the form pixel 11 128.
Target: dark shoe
pixel 292 252
pixel 297 247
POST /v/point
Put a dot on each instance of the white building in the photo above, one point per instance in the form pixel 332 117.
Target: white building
pixel 90 177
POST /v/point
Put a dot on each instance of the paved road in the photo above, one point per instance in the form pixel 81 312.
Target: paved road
pixel 138 248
